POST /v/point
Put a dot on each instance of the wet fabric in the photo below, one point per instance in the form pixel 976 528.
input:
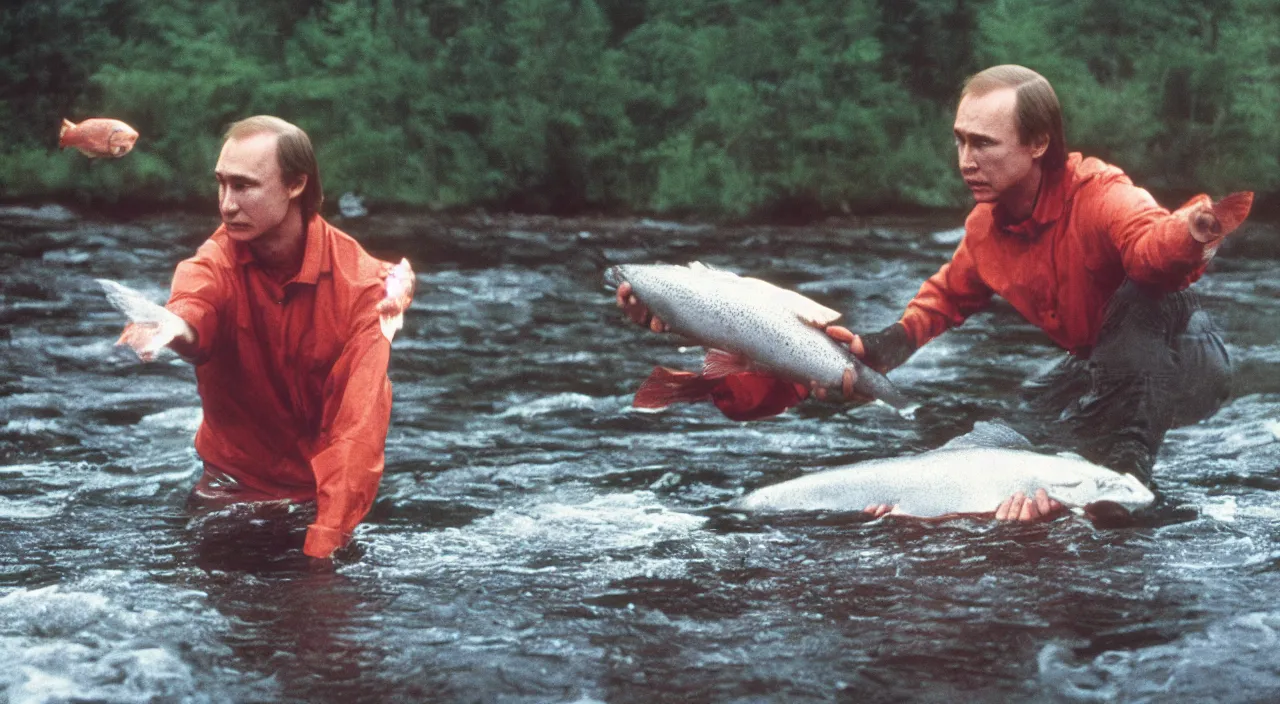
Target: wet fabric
pixel 1159 363
pixel 751 395
pixel 1091 229
pixel 292 377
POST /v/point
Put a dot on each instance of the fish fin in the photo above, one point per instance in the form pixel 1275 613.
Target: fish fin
pixel 1232 210
pixel 806 309
pixel 667 386
pixel 719 364
pixel 86 152
pixel 754 395
pixel 989 434
pixel 62 133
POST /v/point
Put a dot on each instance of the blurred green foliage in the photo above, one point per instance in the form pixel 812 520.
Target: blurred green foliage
pixel 708 107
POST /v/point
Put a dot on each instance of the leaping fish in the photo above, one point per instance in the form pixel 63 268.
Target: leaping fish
pixel 98 137
pixel 971 474
pixel 756 335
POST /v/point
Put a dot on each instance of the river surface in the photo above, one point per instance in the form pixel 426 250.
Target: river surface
pixel 537 540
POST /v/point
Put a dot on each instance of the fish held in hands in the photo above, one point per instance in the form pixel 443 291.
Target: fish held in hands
pixel 98 137
pixel 764 343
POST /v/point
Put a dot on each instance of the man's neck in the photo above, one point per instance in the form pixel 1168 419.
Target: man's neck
pixel 1019 202
pixel 280 251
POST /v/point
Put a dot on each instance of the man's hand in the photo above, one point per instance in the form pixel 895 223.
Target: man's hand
pixel 636 311
pixel 1213 221
pixel 147 339
pixel 877 510
pixel 844 337
pixel 151 327
pixel 1029 510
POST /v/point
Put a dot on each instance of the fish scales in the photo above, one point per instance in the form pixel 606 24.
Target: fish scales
pixel 753 319
pixel 951 481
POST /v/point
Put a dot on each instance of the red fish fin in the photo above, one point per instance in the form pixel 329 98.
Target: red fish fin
pixel 667 386
pixel 62 133
pixel 1232 210
pixel 721 364
pixel 753 395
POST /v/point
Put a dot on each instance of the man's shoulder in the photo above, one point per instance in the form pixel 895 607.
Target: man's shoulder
pixel 979 223
pixel 218 251
pixel 1094 172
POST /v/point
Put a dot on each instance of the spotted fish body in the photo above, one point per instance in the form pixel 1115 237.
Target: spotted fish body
pixel 766 328
pixel 962 477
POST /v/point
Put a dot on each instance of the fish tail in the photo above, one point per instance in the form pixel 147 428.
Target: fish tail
pixel 667 386
pixel 613 277
pixel 1232 210
pixel 876 385
pixel 62 133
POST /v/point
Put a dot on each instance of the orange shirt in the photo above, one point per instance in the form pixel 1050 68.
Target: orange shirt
pixel 1090 229
pixel 292 376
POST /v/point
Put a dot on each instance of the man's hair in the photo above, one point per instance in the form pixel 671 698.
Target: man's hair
pixel 293 153
pixel 1037 108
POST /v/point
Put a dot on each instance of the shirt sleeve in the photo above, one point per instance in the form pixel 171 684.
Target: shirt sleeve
pixel 1155 245
pixel 197 296
pixel 357 412
pixel 946 299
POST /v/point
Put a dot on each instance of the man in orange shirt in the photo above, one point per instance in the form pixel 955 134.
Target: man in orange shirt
pixel 1086 256
pixel 280 313
pixel 1093 261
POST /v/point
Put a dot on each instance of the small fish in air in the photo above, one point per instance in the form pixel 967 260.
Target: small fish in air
pixel 98 137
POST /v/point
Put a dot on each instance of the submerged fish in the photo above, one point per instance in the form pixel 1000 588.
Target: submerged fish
pixel 756 334
pixel 98 136
pixel 972 474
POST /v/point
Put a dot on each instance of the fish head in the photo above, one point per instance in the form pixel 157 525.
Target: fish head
pixel 1101 486
pixel 1107 489
pixel 121 140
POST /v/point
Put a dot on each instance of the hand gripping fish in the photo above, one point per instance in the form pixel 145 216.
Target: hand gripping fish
pixel 756 335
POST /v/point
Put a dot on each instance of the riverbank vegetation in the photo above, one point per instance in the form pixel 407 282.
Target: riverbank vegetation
pixel 719 108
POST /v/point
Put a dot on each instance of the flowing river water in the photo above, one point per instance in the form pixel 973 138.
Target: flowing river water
pixel 536 540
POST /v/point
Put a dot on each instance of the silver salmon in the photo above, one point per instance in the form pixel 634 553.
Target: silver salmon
pixel 755 334
pixel 962 477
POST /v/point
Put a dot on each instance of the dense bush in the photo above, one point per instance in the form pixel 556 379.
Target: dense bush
pixel 713 107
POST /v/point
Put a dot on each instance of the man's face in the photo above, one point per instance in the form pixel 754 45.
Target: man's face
pixel 993 161
pixel 252 195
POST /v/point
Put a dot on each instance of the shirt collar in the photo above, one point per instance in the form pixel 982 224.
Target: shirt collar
pixel 1050 202
pixel 315 256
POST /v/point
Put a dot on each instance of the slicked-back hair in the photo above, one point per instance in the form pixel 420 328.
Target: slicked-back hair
pixel 293 153
pixel 1037 107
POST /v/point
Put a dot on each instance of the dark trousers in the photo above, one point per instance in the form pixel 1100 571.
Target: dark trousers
pixel 1159 363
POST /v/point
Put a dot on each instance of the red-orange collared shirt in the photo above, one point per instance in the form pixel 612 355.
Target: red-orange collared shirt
pixel 292 376
pixel 1090 229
